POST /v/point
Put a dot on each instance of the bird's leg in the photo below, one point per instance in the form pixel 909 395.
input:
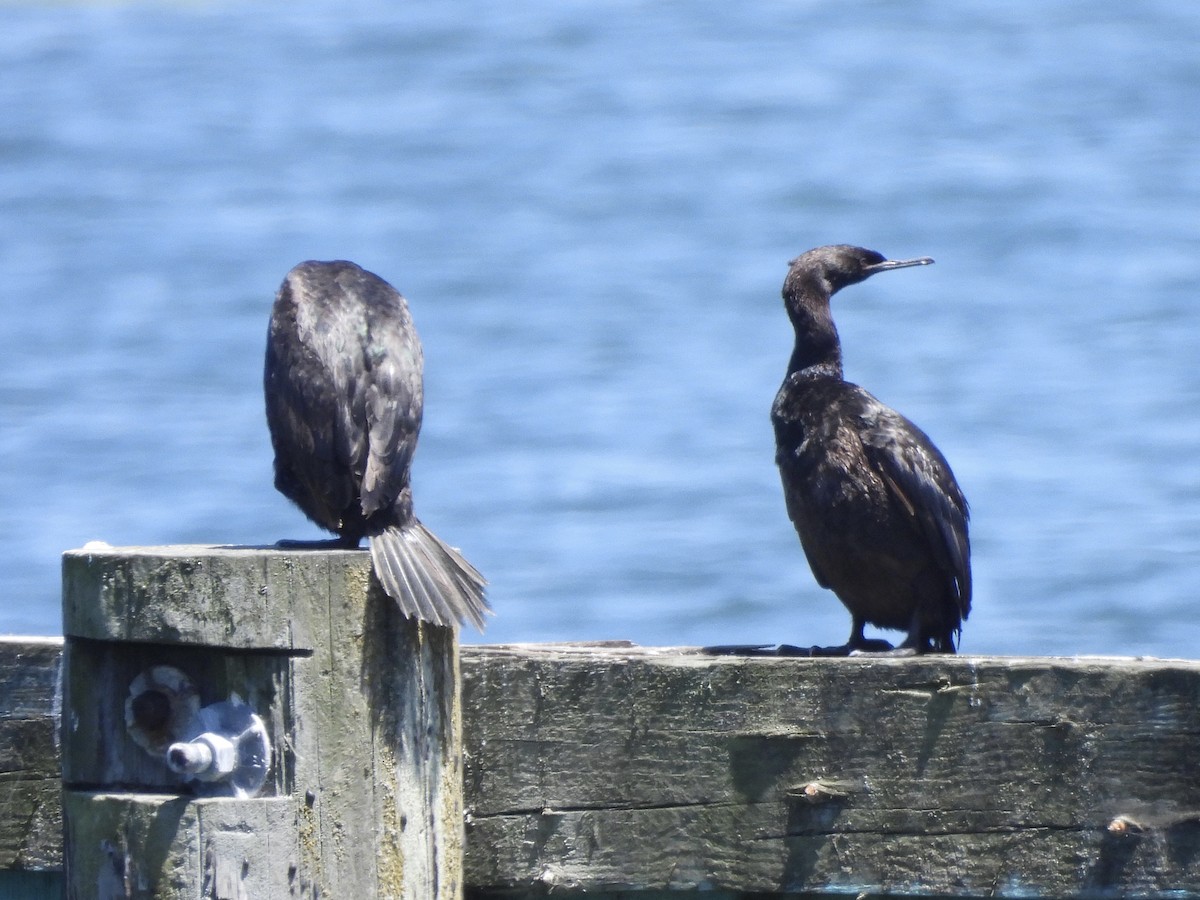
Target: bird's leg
pixel 860 644
pixel 914 643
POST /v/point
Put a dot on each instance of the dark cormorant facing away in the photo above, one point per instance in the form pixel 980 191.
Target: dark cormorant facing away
pixel 344 397
pixel 881 518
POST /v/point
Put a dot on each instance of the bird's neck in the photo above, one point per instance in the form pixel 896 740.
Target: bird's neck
pixel 818 350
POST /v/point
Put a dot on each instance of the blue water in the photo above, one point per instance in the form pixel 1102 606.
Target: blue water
pixel 590 207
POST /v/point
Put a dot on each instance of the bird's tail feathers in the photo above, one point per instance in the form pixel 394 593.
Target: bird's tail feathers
pixel 428 579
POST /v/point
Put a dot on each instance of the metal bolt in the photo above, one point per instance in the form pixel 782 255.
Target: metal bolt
pixel 208 757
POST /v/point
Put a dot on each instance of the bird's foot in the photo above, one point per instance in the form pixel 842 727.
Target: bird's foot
pixel 739 650
pixel 865 647
pixel 322 544
pixel 859 647
pixel 812 652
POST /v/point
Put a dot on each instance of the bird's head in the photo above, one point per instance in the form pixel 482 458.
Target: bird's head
pixel 831 268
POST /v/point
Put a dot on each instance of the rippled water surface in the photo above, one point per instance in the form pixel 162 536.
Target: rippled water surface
pixel 590 207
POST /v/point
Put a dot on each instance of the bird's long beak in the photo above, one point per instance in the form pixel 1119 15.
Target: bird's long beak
pixel 898 264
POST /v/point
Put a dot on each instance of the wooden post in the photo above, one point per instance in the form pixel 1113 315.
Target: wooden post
pixel 363 797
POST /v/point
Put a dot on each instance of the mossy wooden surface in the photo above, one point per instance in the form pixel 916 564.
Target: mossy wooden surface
pixel 365 795
pixel 654 769
pixel 249 597
pixel 30 805
pixel 165 846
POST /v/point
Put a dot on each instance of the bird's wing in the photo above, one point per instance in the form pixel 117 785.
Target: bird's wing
pixel 797 470
pixel 921 482
pixel 303 409
pixel 392 404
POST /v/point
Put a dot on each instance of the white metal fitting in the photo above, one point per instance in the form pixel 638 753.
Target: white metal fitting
pixel 224 746
pixel 208 757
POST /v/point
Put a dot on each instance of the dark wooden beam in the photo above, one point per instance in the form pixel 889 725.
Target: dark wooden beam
pixel 30 784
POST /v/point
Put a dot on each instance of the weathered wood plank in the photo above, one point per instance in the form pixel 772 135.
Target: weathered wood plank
pixel 168 846
pixel 610 769
pixel 30 809
pixel 193 594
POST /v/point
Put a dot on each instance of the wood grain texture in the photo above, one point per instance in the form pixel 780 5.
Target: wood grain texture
pixel 30 811
pixel 165 846
pixel 248 597
pixel 637 769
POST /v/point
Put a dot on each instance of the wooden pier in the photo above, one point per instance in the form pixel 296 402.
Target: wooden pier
pixel 633 772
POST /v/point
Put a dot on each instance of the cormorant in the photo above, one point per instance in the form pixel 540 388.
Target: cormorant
pixel 343 385
pixel 878 511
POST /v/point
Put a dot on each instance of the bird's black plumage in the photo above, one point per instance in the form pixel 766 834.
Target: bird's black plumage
pixel 878 511
pixel 343 386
